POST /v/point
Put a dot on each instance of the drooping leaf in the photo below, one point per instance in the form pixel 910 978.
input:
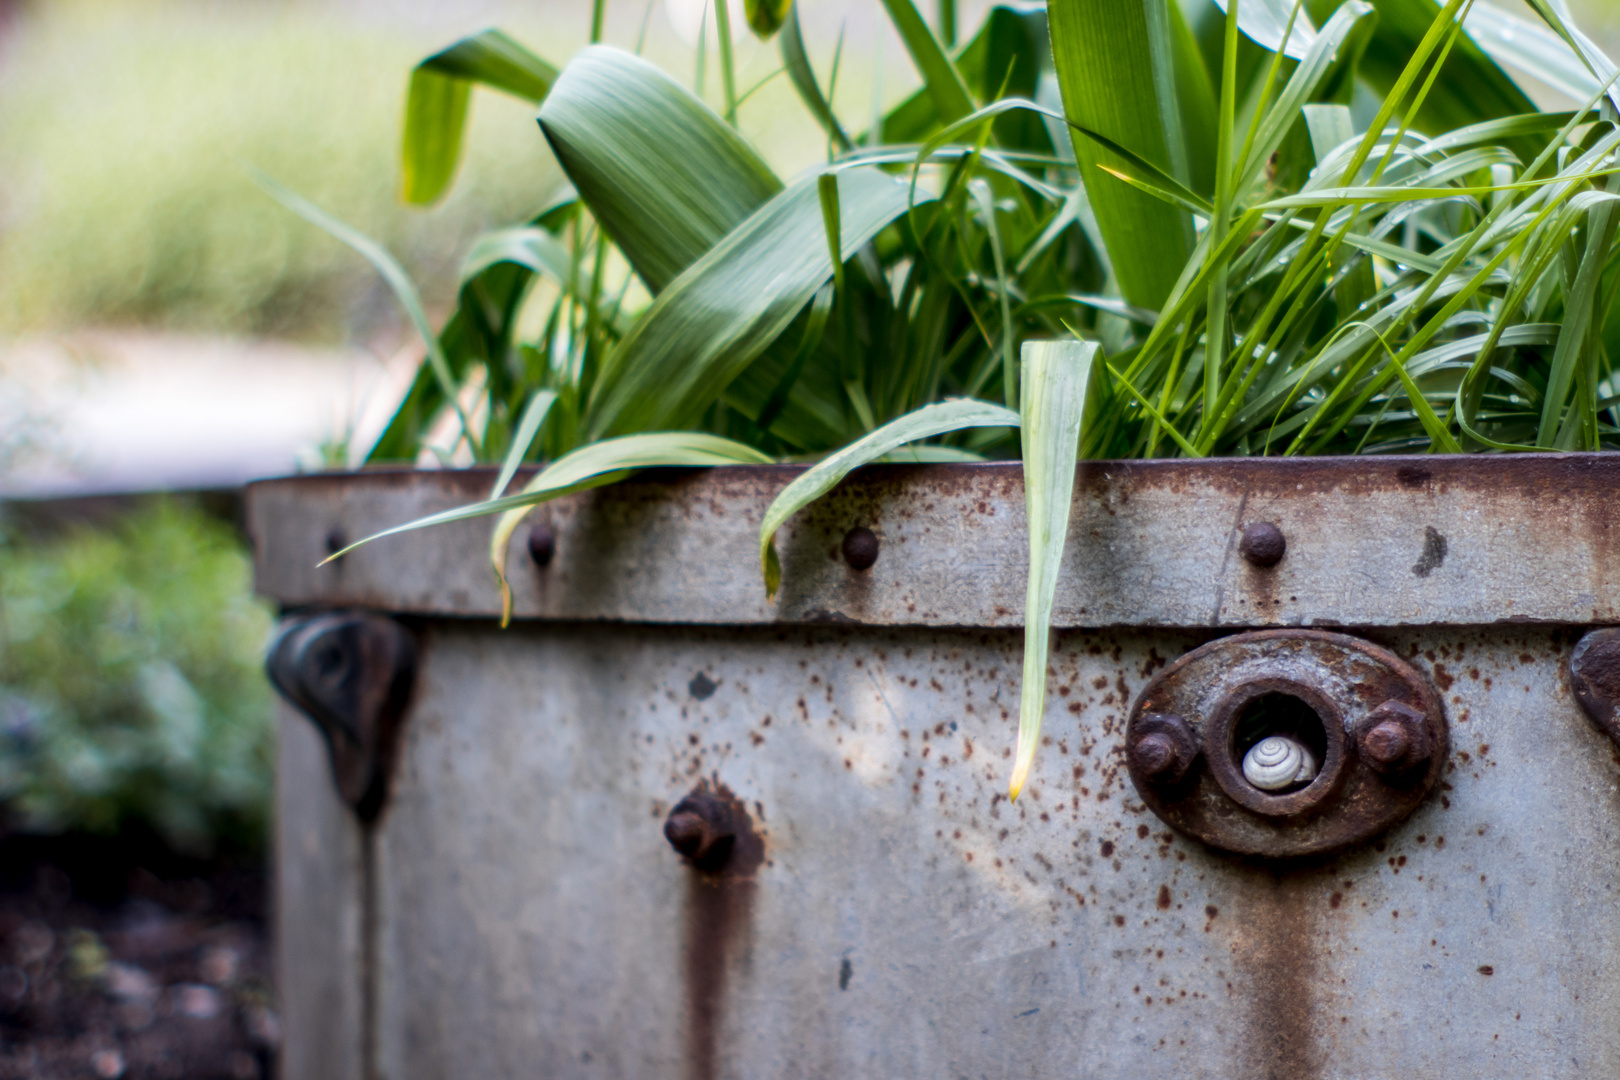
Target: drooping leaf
pixel 594 465
pixel 436 104
pixel 663 174
pixel 1056 374
pixel 926 423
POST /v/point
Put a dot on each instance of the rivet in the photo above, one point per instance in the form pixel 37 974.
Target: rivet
pixel 542 543
pixel 860 548
pixel 1263 544
pixel 702 829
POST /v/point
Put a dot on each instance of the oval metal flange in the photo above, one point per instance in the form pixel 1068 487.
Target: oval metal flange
pixel 1354 687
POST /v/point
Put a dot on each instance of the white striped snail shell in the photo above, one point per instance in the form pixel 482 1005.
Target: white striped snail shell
pixel 1277 762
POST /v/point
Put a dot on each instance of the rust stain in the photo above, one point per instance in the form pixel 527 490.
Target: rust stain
pixel 719 923
pixel 1276 948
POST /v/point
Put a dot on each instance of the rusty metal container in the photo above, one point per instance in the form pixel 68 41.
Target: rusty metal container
pixel 663 827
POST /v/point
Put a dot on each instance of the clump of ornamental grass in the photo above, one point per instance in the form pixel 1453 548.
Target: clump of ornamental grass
pixel 1099 229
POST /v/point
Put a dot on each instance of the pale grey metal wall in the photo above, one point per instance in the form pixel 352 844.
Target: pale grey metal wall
pixel 529 919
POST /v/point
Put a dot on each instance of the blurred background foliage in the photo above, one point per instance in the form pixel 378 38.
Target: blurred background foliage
pixel 124 129
pixel 131 690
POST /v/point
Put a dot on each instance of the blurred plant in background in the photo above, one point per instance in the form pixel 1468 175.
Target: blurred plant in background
pixel 130 681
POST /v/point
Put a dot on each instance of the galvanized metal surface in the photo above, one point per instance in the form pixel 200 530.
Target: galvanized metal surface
pixel 1370 542
pixel 906 921
pixel 517 909
pixel 320 925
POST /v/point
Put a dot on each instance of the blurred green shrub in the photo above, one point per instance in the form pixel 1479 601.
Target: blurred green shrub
pixel 130 681
pixel 124 129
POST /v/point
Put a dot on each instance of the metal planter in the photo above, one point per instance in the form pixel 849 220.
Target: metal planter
pixel 857 897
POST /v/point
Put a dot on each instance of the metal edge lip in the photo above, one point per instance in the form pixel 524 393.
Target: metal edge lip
pixel 1522 539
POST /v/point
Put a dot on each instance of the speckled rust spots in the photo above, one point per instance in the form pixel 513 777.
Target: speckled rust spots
pixel 719 918
pixel 1164 900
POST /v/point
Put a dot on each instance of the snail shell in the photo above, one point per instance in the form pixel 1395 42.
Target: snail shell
pixel 1277 762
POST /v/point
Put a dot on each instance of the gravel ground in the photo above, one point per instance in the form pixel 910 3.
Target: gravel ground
pixel 119 959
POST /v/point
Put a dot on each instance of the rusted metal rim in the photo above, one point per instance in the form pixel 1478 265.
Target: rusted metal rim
pixel 1414 541
pixel 1346 681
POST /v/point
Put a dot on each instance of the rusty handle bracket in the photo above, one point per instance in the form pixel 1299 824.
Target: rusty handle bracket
pixel 351 673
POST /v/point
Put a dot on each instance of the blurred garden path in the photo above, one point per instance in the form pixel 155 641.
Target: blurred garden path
pixel 94 411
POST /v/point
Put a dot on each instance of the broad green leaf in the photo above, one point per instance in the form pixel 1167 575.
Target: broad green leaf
pixel 926 423
pixel 1056 374
pixel 1115 66
pixel 665 176
pixel 436 104
pixel 1264 22
pixel 404 289
pixel 718 316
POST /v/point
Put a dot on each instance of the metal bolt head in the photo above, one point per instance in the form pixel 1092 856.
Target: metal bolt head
pixel 686 832
pixel 860 548
pixel 1154 755
pixel 1163 749
pixel 542 543
pixel 702 829
pixel 1393 739
pixel 1263 544
pixel 1386 745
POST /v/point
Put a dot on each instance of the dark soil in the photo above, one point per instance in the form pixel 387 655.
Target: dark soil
pixel 119 958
